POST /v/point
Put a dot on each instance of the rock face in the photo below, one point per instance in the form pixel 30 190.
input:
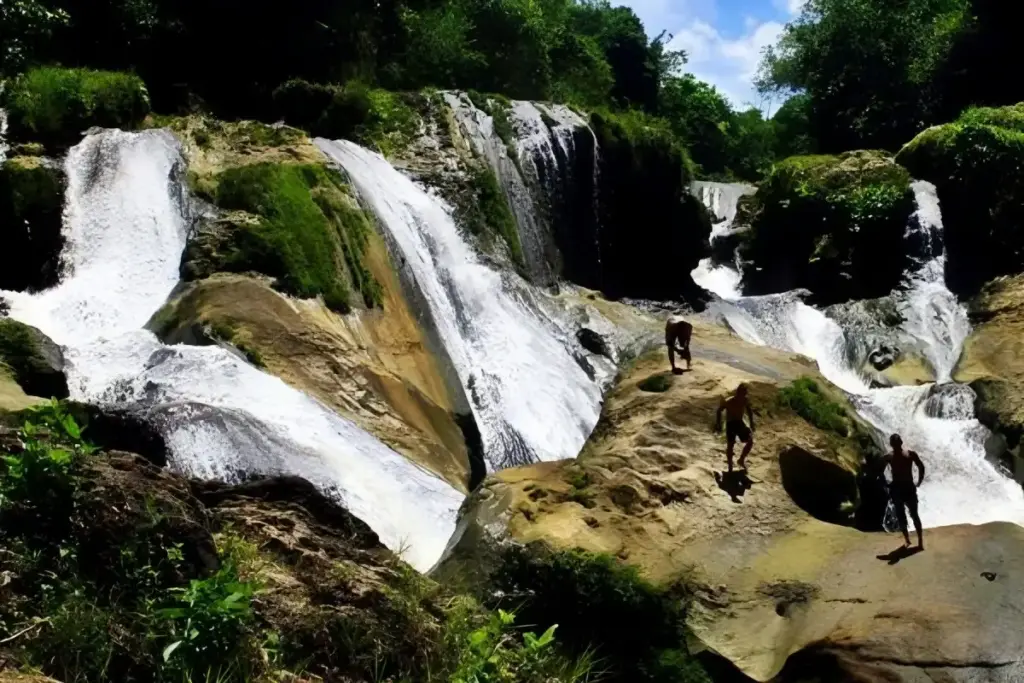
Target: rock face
pixel 831 225
pixel 975 163
pixel 374 369
pixel 31 205
pixel 832 604
pixel 991 364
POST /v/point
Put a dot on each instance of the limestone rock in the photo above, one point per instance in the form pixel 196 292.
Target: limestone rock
pixel 31 206
pixel 32 360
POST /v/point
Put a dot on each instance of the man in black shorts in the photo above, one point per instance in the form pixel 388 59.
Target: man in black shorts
pixel 677 330
pixel 734 407
pixel 903 490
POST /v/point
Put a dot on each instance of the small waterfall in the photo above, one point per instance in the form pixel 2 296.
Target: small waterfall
pixel 126 223
pixel 937 421
pixel 533 395
pixel 722 200
pixel 3 132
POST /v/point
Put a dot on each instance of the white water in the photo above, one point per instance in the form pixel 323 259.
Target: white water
pixel 937 421
pixel 722 201
pixel 531 398
pixel 126 223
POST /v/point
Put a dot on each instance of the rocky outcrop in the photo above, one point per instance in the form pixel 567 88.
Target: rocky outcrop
pixel 975 163
pixel 373 368
pixel 828 603
pixel 32 360
pixel 831 225
pixel 991 364
pixel 651 486
pixel 31 206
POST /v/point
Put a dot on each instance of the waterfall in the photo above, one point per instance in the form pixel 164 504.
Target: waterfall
pixel 3 132
pixel 532 394
pixel 722 200
pixel 126 223
pixel 935 420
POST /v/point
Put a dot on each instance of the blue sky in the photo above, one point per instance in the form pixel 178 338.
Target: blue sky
pixel 723 38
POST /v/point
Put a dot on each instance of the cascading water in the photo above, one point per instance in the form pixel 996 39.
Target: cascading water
pixel 937 421
pixel 722 200
pixel 126 224
pixel 531 396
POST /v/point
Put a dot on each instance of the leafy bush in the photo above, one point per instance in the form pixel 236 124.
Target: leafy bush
pixel 307 235
pixel 805 397
pixel 55 105
pixel 206 624
pixel 604 609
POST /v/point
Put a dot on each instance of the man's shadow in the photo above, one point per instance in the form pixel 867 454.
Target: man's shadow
pixel 680 371
pixel 900 554
pixel 736 483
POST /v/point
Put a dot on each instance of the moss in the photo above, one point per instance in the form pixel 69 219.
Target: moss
pixel 228 333
pixel 657 384
pixel 307 235
pixel 976 164
pixel 31 208
pixel 487 213
pixel 806 398
pixel 498 107
pixel 832 224
pixel 55 105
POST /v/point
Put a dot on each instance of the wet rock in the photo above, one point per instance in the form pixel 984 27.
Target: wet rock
pixel 31 208
pixel 594 342
pixel 36 362
pixel 883 357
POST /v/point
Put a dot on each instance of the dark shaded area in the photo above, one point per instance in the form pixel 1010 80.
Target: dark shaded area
pixel 821 488
pixel 900 554
pixel 31 206
pixel 474 448
pixel 122 430
pixel 653 231
pixel 735 483
pixel 593 342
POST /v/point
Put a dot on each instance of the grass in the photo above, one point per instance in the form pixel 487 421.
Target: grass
pixel 55 105
pixel 309 238
pixel 228 333
pixel 806 398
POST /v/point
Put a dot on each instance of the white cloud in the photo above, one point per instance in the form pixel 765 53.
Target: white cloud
pixel 792 7
pixel 729 64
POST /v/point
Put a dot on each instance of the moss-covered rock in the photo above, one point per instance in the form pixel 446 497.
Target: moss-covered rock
pixel 31 206
pixel 283 212
pixel 653 231
pixel 834 225
pixel 977 164
pixel 32 360
pixel 55 106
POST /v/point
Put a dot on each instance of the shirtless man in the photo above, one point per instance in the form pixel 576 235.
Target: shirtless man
pixel 678 330
pixel 903 490
pixel 734 407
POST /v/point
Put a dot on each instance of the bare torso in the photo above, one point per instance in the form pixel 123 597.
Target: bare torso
pixel 735 406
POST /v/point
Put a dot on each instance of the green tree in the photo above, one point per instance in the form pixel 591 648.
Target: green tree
pixel 868 67
pixel 793 135
pixel 699 115
pixel 25 27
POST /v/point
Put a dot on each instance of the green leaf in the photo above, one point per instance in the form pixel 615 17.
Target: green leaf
pixel 169 650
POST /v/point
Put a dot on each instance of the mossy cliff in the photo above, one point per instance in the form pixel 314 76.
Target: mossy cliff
pixel 31 206
pixel 832 225
pixel 977 164
pixel 32 360
pixel 652 232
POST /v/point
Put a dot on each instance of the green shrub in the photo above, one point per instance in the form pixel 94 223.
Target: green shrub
pixel 307 234
pixel 206 625
pixel 353 111
pixel 55 105
pixel 805 397
pixel 603 609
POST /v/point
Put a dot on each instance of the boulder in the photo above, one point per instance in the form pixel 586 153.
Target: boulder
pixel 34 361
pixel 975 163
pixel 31 207
pixel 831 224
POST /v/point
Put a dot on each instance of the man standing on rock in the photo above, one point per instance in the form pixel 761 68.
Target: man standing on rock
pixel 734 407
pixel 678 330
pixel 903 490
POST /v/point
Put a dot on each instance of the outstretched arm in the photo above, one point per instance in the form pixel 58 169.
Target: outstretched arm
pixel 750 414
pixel 718 417
pixel 920 467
